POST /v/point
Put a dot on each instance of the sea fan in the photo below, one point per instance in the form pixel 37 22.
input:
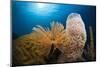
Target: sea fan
pixel 41 46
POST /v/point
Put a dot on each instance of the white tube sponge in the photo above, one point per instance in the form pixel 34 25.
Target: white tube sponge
pixel 75 26
pixel 76 34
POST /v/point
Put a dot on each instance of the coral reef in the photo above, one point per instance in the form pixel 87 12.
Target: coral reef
pixel 54 45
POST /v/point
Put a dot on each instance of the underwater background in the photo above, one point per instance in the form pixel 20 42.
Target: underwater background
pixel 26 15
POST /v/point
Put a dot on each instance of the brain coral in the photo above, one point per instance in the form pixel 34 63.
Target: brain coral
pixel 44 45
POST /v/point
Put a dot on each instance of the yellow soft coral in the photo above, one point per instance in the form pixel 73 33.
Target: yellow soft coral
pixel 35 47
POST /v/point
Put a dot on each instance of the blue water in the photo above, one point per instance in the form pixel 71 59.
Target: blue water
pixel 26 15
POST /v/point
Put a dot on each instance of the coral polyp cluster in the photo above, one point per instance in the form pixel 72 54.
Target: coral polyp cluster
pixel 52 45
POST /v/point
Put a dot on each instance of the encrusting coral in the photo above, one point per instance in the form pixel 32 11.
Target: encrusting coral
pixel 40 46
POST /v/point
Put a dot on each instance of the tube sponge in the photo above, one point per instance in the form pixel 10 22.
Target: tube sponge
pixel 76 34
pixel 75 25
